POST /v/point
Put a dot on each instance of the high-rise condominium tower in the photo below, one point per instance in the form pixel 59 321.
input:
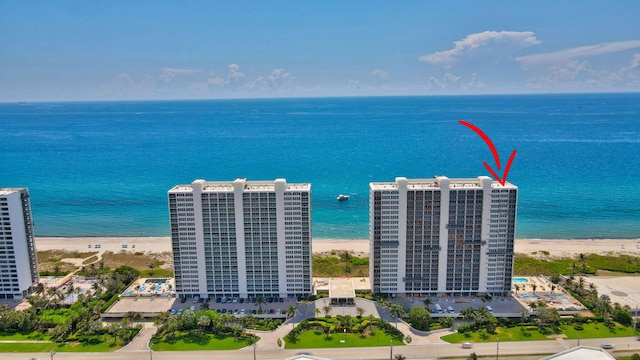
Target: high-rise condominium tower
pixel 18 262
pixel 442 236
pixel 241 238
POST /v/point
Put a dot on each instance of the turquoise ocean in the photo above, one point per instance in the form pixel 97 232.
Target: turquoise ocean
pixel 104 168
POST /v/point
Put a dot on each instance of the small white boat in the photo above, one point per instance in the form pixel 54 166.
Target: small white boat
pixel 342 197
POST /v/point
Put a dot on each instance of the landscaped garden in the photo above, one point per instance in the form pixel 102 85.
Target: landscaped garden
pixel 203 330
pixel 51 323
pixel 343 331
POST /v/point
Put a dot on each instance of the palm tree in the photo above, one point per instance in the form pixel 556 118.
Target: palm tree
pixel 204 305
pixel 133 316
pixel 427 302
pixel 468 314
pixel 399 357
pixel 259 302
pixel 326 309
pixel 291 311
pixel 525 314
pixel 396 311
pixel 580 285
pixel 534 287
pixel 371 320
pixel 203 322
pixel 162 319
pixel 316 311
pixel 517 288
pixel 39 289
pixel 360 311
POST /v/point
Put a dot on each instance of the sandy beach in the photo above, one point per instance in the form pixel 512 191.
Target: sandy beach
pixel 536 247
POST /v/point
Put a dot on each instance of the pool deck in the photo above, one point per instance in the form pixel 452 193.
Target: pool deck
pixel 553 295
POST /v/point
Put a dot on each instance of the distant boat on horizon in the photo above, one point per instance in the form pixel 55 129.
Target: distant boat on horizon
pixel 342 197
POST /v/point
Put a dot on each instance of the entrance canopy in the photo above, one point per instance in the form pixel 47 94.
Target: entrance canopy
pixel 342 291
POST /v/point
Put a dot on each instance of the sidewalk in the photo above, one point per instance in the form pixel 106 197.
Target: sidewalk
pixel 140 342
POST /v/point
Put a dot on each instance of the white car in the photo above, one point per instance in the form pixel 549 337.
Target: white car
pixel 466 345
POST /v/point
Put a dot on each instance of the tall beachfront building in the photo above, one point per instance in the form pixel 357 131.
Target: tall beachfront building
pixel 18 262
pixel 241 238
pixel 442 236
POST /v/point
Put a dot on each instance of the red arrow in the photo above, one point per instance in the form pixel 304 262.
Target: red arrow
pixel 496 157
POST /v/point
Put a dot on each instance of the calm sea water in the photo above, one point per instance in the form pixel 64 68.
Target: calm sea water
pixel 104 168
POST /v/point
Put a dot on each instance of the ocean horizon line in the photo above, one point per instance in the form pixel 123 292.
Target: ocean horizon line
pixel 36 102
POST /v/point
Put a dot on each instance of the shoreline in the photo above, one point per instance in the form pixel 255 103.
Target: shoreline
pixel 531 247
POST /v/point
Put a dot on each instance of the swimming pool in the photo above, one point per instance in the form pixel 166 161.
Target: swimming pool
pixel 519 280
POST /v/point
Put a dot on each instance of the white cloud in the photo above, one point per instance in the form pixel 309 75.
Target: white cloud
pixel 480 40
pixel 234 72
pixel 447 80
pixel 169 74
pixel 354 84
pixel 566 55
pixel 278 81
pixel 450 81
pixel 575 74
pixel 635 61
pixel 379 74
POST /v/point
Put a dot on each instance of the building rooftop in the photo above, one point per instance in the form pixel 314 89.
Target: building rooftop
pixel 7 191
pixel 241 184
pixel 581 353
pixel 341 288
pixel 440 182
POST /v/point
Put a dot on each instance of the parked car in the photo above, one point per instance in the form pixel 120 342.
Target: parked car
pixel 607 346
pixel 466 345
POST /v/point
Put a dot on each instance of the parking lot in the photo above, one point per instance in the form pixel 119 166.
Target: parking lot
pixel 273 306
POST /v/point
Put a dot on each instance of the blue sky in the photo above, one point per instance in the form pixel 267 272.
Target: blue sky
pixel 129 50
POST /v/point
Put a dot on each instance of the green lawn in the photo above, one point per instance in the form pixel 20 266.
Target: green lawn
pixel 59 347
pixel 590 331
pixel 508 334
pixel 316 339
pixel 597 330
pixel 25 336
pixel 199 341
pixel 57 316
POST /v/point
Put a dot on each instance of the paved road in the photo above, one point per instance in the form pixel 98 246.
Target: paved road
pixel 507 350
pixel 510 350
